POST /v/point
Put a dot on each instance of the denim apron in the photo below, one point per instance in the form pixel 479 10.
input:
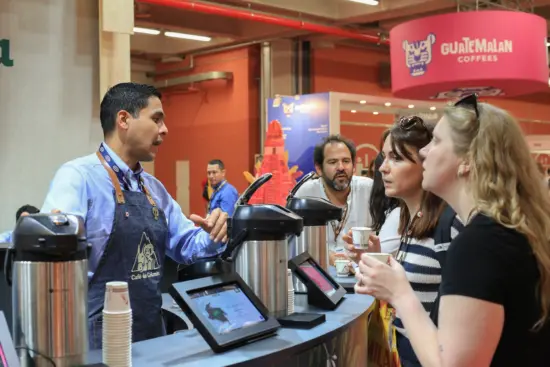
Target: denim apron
pixel 134 253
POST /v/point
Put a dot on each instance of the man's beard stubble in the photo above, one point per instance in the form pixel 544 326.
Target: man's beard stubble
pixel 332 183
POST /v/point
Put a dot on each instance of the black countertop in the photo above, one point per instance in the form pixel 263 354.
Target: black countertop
pixel 187 348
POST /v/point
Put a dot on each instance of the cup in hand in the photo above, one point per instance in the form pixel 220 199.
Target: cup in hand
pixel 360 236
pixel 117 299
pixel 385 258
pixel 342 267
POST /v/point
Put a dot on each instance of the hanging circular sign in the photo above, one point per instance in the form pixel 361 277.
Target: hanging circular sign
pixel 492 53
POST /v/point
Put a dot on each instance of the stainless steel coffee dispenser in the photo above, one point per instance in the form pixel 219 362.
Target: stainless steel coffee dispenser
pixel 262 258
pixel 316 213
pixel 47 269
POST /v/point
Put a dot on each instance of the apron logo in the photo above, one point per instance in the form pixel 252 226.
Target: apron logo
pixel 146 261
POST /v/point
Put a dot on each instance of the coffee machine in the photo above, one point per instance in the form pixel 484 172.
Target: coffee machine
pixel 47 269
pixel 316 213
pixel 257 249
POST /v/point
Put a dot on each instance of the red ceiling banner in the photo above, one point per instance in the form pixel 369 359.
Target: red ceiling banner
pixel 493 53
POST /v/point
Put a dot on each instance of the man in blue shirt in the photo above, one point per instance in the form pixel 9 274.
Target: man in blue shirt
pixel 224 195
pixel 25 210
pixel 131 221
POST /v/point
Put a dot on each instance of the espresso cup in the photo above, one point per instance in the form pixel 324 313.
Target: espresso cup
pixel 342 267
pixel 361 236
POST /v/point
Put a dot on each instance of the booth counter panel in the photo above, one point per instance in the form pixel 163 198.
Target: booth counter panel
pixel 340 341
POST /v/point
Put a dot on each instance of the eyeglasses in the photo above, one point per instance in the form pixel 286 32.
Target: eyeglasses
pixel 411 122
pixel 470 102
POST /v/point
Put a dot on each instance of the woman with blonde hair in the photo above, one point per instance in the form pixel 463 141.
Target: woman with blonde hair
pixel 495 291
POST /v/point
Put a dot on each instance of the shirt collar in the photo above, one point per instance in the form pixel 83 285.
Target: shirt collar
pixel 120 163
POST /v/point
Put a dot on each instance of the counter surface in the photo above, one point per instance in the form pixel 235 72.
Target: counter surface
pixel 188 348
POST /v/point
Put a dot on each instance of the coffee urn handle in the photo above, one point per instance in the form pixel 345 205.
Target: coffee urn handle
pixel 8 262
pixel 247 194
pixel 302 181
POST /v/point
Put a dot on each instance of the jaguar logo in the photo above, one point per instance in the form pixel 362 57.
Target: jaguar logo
pixel 418 55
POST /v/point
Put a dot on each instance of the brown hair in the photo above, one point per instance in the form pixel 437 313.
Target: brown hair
pixel 412 134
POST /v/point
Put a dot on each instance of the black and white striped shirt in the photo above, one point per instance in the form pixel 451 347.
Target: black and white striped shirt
pixel 423 270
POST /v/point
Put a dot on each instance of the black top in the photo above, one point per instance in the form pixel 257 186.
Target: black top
pixel 493 263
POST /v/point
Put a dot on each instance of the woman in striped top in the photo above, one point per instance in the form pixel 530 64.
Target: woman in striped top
pixel 419 214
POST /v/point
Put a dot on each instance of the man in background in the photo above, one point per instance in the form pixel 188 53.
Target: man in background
pixel 334 160
pixel 224 195
pixel 25 210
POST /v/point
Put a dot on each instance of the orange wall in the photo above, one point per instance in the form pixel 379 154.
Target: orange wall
pixel 353 70
pixel 219 119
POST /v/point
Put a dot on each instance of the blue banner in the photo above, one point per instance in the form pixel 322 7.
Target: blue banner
pixel 305 123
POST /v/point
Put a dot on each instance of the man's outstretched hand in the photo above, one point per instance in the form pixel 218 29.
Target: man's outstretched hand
pixel 215 223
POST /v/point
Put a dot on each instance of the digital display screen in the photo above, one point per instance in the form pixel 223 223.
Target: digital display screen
pixel 318 278
pixel 3 361
pixel 227 308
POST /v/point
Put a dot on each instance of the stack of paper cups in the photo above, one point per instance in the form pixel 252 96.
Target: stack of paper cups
pixel 117 326
pixel 290 307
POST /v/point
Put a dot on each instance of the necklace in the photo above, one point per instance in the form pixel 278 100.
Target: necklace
pixel 406 239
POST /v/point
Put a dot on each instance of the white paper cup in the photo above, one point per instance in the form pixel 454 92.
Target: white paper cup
pixel 360 236
pixel 117 298
pixel 342 267
pixel 383 257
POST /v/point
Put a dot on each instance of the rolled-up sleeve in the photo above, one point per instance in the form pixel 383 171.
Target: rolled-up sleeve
pixel 187 242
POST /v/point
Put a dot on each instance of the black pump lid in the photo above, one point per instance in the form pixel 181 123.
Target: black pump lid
pixel 265 222
pixel 49 238
pixel 314 211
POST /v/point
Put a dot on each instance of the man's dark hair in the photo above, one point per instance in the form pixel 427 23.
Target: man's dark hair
pixel 218 162
pixel 319 151
pixel 26 208
pixel 129 97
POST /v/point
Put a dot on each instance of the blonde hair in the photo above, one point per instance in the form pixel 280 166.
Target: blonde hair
pixel 505 181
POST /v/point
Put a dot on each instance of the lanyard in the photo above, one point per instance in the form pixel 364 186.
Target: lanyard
pixel 338 228
pixel 406 239
pixel 213 194
pixel 119 173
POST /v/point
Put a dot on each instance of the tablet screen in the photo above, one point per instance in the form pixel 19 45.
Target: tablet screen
pixel 227 308
pixel 318 278
pixel 3 361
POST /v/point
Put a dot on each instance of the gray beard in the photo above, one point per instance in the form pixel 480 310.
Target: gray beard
pixel 336 187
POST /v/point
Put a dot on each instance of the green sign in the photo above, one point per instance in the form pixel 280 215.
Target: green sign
pixel 5 57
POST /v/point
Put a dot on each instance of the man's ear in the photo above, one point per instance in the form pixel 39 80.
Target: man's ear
pixel 319 170
pixel 122 118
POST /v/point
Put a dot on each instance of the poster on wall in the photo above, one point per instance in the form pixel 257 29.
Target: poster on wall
pixel 305 122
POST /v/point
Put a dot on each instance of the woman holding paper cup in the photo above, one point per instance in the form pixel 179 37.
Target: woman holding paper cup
pixel 495 292
pixel 420 212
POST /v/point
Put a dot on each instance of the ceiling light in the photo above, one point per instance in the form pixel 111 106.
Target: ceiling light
pixel 153 32
pixel 411 106
pixel 366 2
pixel 353 111
pixel 387 104
pixel 547 43
pixel 432 108
pixel 362 102
pixel 375 113
pixel 187 36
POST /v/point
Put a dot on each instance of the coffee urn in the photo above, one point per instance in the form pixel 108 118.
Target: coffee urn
pixel 262 257
pixel 316 213
pixel 47 269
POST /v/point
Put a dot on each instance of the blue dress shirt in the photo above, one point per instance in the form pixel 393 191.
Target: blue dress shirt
pixel 83 187
pixel 6 237
pixel 224 198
